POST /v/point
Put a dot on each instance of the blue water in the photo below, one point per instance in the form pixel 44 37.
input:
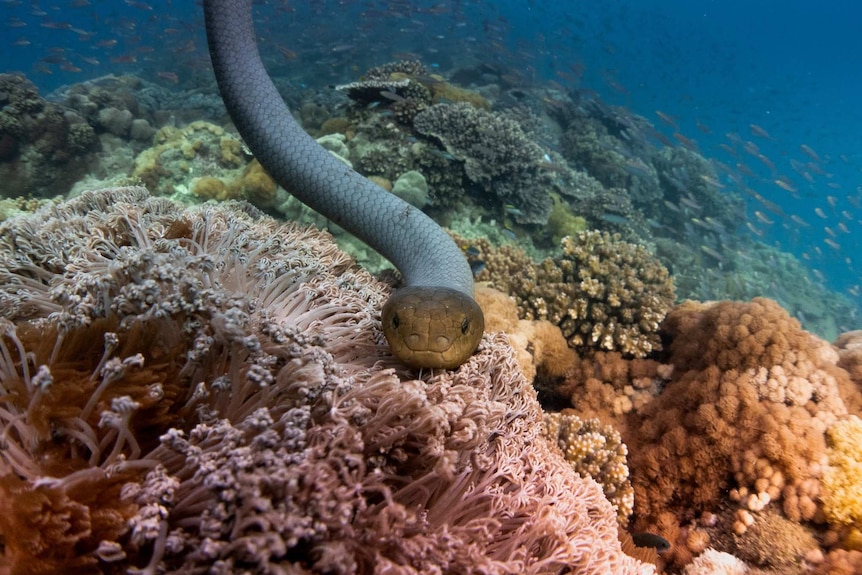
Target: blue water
pixel 778 75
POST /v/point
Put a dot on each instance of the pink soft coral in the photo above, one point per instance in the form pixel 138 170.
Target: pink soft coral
pixel 231 374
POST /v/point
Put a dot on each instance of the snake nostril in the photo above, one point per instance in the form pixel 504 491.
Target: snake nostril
pixel 396 321
pixel 465 325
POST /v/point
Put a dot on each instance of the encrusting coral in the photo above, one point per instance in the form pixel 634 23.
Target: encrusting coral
pixel 205 390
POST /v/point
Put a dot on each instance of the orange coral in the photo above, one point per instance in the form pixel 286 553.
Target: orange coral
pixel 850 358
pixel 539 345
pixel 744 414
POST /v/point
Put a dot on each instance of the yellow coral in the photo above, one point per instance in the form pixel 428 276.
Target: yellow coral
pixel 842 482
pixel 209 188
pixel 562 222
pixel 597 451
pixel 255 185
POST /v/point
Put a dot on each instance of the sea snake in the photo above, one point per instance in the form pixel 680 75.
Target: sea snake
pixel 431 322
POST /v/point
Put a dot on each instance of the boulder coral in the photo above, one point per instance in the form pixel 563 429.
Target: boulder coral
pixel 206 390
pixel 742 420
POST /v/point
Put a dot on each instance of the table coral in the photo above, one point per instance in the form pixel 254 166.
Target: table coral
pixel 228 375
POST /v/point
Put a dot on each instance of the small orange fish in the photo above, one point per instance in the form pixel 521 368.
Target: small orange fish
pixel 762 218
pixel 809 152
pixel 766 162
pixel 753 229
pixel 287 52
pixel 799 221
pixel 686 142
pixel 667 119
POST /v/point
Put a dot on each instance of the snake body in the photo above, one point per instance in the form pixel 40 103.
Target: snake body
pixel 431 322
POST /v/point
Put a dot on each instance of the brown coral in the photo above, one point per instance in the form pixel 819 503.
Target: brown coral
pixel 241 391
pixel 605 294
pixel 744 414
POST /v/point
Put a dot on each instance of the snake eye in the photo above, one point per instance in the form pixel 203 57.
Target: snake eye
pixel 395 321
pixel 464 325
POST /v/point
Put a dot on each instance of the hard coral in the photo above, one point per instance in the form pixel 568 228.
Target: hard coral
pixel 842 481
pixel 497 156
pixel 230 373
pixel 597 451
pixel 605 294
pixel 44 148
pixel 743 418
pixel 200 148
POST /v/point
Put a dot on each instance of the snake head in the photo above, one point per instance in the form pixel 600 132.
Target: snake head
pixel 432 327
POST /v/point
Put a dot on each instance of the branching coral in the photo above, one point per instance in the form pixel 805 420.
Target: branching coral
pixel 604 294
pixel 597 451
pixel 228 376
pixel 498 157
pixel 44 147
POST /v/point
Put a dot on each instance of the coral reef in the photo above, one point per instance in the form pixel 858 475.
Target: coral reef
pixel 200 149
pixel 538 345
pixel 44 148
pixel 607 386
pixel 226 376
pixel 842 480
pixel 604 294
pixel 497 156
pixel 712 562
pixel 597 451
pixel 689 181
pixel 775 542
pixel 743 418
pixel 849 345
